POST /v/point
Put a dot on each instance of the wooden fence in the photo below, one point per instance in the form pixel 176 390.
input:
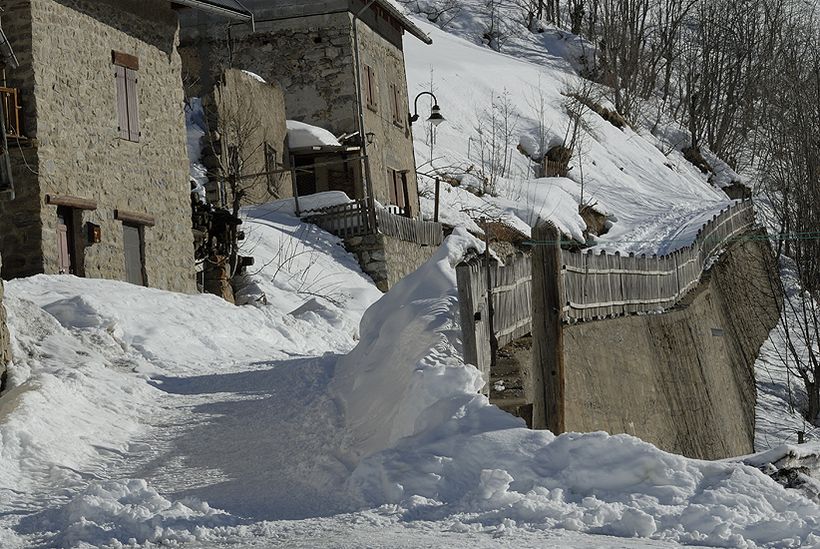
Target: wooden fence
pixel 606 285
pixel 511 306
pixel 353 219
pixel 589 286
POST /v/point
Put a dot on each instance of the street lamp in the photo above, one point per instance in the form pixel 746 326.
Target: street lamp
pixel 435 113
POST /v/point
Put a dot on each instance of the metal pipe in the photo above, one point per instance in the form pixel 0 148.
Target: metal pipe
pixel 368 179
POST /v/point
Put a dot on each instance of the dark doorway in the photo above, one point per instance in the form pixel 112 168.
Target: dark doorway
pixel 134 247
pixel 67 242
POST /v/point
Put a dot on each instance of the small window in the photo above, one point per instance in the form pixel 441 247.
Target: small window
pixel 396 188
pixel 396 103
pixel 125 73
pixel 370 89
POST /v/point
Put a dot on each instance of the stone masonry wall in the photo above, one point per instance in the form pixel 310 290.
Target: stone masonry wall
pixel 387 259
pixel 683 380
pixel 311 58
pixel 78 150
pixel 5 344
pixel 20 224
pixel 250 115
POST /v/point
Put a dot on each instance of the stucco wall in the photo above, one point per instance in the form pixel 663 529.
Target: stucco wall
pixel 683 380
pixel 250 114
pixel 77 148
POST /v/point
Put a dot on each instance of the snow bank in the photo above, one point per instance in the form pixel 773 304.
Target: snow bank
pixel 424 440
pixel 301 135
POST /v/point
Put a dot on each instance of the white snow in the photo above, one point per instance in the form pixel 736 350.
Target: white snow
pixel 651 192
pixel 214 424
pixel 254 76
pixel 301 135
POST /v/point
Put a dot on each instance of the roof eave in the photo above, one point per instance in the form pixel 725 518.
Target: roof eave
pixel 239 14
pixel 408 25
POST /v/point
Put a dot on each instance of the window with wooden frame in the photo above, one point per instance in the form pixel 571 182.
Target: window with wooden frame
pixel 370 90
pixel 395 184
pixel 125 74
pixel 396 103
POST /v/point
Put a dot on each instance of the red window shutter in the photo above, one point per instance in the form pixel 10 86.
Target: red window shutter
pixel 133 105
pixel 122 101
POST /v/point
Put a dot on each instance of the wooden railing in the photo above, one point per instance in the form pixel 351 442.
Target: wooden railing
pixel 353 219
pixel 593 286
pixel 606 285
pixel 343 220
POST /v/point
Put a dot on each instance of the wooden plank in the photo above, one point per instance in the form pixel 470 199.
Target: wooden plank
pixel 71 201
pixel 135 218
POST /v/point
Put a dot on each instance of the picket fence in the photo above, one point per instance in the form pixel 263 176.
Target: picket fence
pixel 594 286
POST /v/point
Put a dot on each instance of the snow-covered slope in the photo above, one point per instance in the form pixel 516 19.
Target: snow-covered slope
pixel 640 179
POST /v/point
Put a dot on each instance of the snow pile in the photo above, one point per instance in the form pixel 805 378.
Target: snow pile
pixel 127 512
pixel 302 269
pixel 301 135
pixel 425 441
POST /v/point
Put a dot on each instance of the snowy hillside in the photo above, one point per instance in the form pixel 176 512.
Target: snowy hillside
pixel 640 179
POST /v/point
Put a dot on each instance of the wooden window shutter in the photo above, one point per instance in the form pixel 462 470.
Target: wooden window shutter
pixel 122 102
pixel 391 184
pixel 370 86
pixel 133 105
pixel 398 118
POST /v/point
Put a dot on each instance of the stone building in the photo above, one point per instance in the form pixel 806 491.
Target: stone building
pixel 248 141
pixel 98 155
pixel 311 49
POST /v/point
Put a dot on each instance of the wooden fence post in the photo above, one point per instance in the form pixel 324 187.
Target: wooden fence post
pixel 547 329
pixel 438 199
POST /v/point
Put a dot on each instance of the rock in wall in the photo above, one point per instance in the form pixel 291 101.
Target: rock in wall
pixel 683 380
pixel 5 344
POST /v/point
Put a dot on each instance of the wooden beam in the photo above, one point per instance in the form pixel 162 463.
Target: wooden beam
pixel 71 201
pixel 125 60
pixel 135 218
pixel 547 329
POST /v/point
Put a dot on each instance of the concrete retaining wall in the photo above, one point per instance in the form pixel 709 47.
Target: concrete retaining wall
pixel 683 380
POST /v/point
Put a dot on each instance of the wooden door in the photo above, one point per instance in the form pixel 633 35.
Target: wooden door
pixel 134 259
pixel 63 247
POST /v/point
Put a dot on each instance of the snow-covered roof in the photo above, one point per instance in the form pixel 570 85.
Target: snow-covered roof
pixel 228 8
pixel 305 136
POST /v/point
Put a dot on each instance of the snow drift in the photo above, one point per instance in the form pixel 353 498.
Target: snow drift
pixel 423 439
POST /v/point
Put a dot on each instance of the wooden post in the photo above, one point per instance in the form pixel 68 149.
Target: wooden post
pixel 547 329
pixel 438 199
pixel 294 185
pixel 490 304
